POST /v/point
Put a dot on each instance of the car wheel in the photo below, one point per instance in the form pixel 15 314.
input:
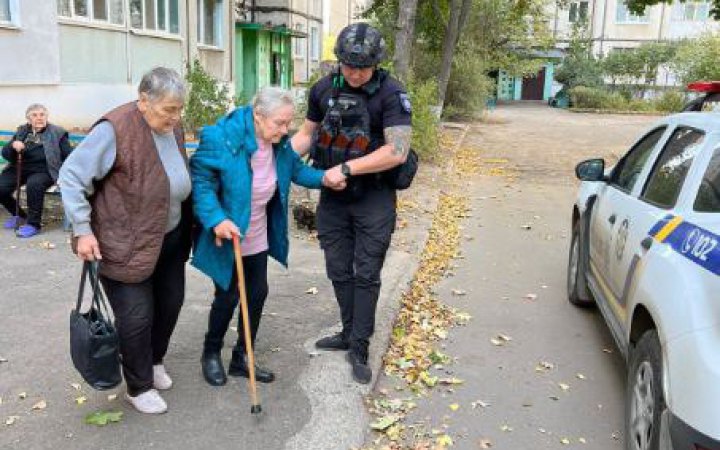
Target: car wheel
pixel 576 287
pixel 644 402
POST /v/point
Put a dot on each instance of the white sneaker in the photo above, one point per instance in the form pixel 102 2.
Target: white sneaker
pixel 161 380
pixel 148 402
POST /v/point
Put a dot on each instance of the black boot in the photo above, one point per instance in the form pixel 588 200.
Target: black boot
pixel 335 342
pixel 358 358
pixel 213 369
pixel 239 368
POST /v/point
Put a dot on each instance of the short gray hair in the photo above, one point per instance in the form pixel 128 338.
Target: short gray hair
pixel 271 98
pixel 162 82
pixel 34 107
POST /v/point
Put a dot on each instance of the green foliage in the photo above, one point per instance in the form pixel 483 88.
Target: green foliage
pixel 426 126
pixel 697 59
pixel 579 68
pixel 468 88
pixel 208 99
pixel 596 98
pixel 638 65
pixel 670 102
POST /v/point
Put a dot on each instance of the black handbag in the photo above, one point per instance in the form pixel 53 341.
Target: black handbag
pixel 401 177
pixel 94 343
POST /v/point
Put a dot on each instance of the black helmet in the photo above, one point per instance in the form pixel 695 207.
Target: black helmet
pixel 360 45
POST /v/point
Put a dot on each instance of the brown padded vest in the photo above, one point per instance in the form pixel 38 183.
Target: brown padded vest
pixel 130 205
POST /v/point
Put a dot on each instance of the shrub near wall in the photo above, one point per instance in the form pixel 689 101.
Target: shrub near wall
pixel 425 124
pixel 601 99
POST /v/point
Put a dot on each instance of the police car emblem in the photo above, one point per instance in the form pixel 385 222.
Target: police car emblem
pixel 405 102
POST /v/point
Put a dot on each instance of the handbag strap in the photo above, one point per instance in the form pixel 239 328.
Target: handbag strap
pixel 98 299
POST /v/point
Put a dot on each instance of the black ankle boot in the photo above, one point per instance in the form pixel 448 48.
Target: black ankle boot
pixel 239 368
pixel 334 342
pixel 213 369
pixel 358 359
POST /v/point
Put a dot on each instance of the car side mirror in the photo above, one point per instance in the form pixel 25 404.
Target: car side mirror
pixel 591 170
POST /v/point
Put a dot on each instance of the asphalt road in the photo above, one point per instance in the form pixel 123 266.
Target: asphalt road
pixel 560 381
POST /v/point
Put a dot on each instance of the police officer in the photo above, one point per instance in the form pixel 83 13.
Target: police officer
pixel 357 127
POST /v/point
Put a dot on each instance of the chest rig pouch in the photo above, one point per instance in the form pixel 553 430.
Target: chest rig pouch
pixel 344 133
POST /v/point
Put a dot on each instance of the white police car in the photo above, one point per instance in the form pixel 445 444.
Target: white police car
pixel 646 249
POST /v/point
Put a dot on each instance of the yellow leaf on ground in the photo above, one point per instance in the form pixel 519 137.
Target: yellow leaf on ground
pixel 454 406
pixel 81 400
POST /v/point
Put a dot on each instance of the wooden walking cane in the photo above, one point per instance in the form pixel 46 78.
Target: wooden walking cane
pixel 255 408
pixel 18 184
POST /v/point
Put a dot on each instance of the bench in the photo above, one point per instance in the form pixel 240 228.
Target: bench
pixel 75 139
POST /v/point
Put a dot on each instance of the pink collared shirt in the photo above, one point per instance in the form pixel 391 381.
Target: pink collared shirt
pixel 264 184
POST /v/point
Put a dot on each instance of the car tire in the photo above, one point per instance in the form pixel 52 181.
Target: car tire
pixel 578 293
pixel 644 400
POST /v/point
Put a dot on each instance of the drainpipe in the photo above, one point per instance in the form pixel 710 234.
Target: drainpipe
pixel 252 11
pixel 187 32
pixel 604 23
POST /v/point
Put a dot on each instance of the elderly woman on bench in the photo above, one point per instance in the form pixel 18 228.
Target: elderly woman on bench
pixel 35 153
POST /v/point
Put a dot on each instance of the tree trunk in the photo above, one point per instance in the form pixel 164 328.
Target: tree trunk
pixel 404 35
pixel 459 11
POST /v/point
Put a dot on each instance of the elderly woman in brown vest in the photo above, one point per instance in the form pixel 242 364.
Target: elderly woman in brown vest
pixel 126 191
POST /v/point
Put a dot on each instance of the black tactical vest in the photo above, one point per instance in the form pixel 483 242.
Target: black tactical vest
pixel 344 132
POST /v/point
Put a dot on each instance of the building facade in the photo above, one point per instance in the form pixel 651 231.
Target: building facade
pixel 83 57
pixel 611 26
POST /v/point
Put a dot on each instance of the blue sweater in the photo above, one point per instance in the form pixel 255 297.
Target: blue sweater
pixel 222 189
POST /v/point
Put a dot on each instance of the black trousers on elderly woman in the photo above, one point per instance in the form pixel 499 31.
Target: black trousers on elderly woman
pixel 146 313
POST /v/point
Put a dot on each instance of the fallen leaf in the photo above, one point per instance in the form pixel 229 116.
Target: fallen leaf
pixel 564 386
pixel 430 381
pixel 102 418
pixel 458 292
pixel 81 400
pixel 479 404
pixel 312 291
pixel 544 366
pixel 531 297
pixel 454 407
pixel 485 443
pixel 39 406
pixel 76 386
pixel 444 440
pixel 506 428
pixel 580 376
pixel 22 395
pixel 112 397
pixel 384 422
pixel 606 350
pixel 565 441
pixel 3 360
pixel 47 245
pixel 582 440
pixel 275 349
pixel 11 420
pixel 452 380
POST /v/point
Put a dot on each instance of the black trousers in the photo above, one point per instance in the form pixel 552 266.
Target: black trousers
pixel 225 302
pixel 37 182
pixel 146 313
pixel 355 236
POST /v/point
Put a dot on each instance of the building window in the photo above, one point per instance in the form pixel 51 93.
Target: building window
pixel 210 22
pixel 623 15
pixel 578 12
pixel 103 11
pixel 300 43
pixel 6 15
pixel 314 44
pixel 155 15
pixel 691 11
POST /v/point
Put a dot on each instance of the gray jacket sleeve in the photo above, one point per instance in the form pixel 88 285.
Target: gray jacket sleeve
pixel 89 162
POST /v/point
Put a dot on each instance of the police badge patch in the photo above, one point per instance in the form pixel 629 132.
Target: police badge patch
pixel 405 102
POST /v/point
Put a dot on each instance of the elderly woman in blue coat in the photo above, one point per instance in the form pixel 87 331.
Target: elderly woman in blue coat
pixel 241 174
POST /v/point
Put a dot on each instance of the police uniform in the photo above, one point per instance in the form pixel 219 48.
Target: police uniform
pixel 355 225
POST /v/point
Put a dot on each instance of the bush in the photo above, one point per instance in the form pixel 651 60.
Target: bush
pixel 594 98
pixel 425 124
pixel 670 102
pixel 468 88
pixel 208 99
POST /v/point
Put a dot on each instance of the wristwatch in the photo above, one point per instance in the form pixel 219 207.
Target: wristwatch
pixel 345 169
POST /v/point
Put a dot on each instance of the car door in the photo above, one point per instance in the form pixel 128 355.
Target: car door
pixel 636 216
pixel 604 218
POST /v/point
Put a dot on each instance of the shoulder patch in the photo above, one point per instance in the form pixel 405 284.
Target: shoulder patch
pixel 405 102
